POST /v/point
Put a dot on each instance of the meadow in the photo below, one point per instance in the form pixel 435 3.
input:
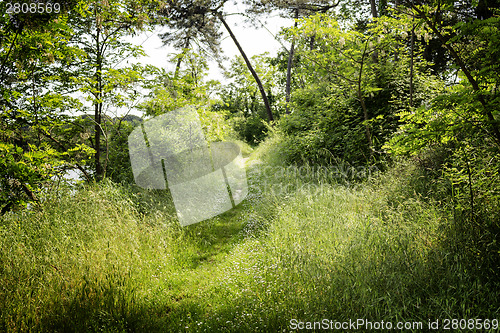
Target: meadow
pixel 302 248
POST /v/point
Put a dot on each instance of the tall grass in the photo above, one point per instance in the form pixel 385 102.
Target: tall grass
pixel 336 253
pixel 302 246
pixel 77 262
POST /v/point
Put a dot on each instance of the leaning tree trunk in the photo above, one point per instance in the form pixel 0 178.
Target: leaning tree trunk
pixel 249 65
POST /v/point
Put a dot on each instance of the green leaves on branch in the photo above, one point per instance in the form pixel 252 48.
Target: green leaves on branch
pixel 22 173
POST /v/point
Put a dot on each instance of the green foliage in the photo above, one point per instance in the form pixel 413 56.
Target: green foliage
pixel 188 89
pixel 462 125
pixel 118 167
pixel 241 100
pixel 168 92
pixel 43 62
pixel 360 85
pixel 252 130
pixel 23 173
pixel 32 154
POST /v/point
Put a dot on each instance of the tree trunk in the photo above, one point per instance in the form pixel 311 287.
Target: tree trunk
pixel 382 8
pixel 363 105
pixel 179 60
pixel 412 46
pixel 311 43
pixel 98 109
pixel 2 73
pixel 254 74
pixel 373 5
pixel 289 68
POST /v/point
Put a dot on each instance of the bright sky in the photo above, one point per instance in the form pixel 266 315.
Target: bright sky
pixel 253 41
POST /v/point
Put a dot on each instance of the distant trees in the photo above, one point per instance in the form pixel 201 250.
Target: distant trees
pixel 186 86
pixel 240 97
pixel 293 9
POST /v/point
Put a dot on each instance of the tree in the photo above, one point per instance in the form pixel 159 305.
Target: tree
pixel 461 128
pixel 99 32
pixel 295 9
pixel 199 17
pixel 32 48
pixel 188 88
pixel 345 56
pixel 347 104
pixel 240 98
pixel 44 59
pixel 168 92
pixel 459 61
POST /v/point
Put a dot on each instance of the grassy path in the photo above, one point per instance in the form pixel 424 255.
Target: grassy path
pixel 109 258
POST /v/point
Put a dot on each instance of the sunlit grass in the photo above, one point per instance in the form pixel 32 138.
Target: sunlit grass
pixel 114 258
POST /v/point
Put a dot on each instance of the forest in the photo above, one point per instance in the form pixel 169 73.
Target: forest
pixel 369 145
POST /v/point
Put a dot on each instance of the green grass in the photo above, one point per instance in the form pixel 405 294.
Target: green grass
pixel 110 258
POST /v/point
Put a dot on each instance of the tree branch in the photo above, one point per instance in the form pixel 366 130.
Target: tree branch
pixel 475 86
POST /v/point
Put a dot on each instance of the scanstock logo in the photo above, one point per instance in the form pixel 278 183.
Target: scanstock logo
pixel 204 179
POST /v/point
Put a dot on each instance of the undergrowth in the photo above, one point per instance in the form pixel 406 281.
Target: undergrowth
pixel 306 244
